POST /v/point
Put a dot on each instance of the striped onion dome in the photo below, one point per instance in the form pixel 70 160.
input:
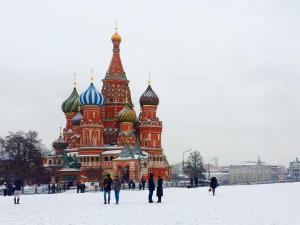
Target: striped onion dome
pixel 91 96
pixel 71 103
pixel 60 143
pixel 149 97
pixel 76 119
pixel 126 114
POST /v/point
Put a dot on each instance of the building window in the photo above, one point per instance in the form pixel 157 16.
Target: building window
pixel 92 159
pixel 111 158
pixel 105 158
pixel 97 159
pixel 50 161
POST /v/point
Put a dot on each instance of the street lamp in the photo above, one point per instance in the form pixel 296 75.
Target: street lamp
pixel 183 156
pixel 208 168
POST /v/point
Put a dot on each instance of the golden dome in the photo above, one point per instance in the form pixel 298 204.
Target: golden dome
pixel 116 36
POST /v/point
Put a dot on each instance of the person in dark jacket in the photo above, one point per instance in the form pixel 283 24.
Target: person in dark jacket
pixel 117 188
pixel 151 187
pixel 49 188
pixel 18 190
pixel 4 188
pixel 64 187
pixel 143 184
pixel 53 188
pixel 213 184
pixel 107 187
pixel 196 181
pixel 78 186
pixel 159 189
pixel 192 182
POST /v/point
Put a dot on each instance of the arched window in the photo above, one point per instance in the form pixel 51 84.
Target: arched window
pixel 97 159
pixel 106 158
pixel 92 159
pixel 111 158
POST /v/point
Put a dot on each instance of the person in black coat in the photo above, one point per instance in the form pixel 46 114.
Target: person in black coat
pixel 107 187
pixel 53 188
pixel 213 184
pixel 151 187
pixel 18 190
pixel 159 190
pixel 196 181
pixel 143 184
pixel 49 188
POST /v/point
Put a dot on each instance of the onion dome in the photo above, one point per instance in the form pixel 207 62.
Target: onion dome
pixel 60 143
pixel 71 103
pixel 76 119
pixel 126 114
pixel 91 96
pixel 149 97
pixel 116 36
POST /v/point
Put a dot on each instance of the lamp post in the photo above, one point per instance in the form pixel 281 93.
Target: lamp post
pixel 208 168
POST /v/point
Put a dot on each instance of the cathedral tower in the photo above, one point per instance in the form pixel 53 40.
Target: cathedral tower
pixel 115 86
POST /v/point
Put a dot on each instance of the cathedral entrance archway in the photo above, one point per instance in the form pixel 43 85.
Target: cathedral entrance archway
pixel 126 174
pixel 107 171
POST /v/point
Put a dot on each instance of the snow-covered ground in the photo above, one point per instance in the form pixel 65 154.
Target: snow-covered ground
pixel 240 205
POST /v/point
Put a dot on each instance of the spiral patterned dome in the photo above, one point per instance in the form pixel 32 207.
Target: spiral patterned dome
pixel 60 143
pixel 126 114
pixel 71 103
pixel 91 96
pixel 76 119
pixel 149 97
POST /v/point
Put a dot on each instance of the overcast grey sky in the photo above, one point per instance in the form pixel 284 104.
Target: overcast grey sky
pixel 226 72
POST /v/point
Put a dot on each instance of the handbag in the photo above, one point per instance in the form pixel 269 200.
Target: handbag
pixel 209 190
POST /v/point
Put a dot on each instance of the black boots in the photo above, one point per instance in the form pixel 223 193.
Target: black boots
pixel 104 202
pixel 108 201
pixel 15 201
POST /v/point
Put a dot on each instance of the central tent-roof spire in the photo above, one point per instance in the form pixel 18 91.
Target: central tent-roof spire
pixel 115 69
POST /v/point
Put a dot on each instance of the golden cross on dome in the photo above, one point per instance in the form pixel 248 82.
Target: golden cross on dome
pixel 60 134
pixel 92 78
pixel 116 24
pixel 79 108
pixel 149 81
pixel 74 80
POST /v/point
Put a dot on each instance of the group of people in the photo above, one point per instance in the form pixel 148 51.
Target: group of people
pixel 80 187
pixel 108 184
pixel 194 182
pixel 15 190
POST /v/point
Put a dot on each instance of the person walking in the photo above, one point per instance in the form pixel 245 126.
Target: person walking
pixel 49 188
pixel 117 187
pixel 151 187
pixel 107 187
pixel 133 185
pixel 53 188
pixel 78 186
pixel 196 181
pixel 64 187
pixel 101 185
pixel 213 184
pixel 4 188
pixel 192 182
pixel 18 190
pixel 82 187
pixel 159 190
pixel 143 184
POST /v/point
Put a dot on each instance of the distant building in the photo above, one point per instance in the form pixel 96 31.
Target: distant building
pixel 249 172
pixel 278 172
pixel 294 169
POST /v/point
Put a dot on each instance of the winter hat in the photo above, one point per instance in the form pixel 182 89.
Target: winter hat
pixel 108 175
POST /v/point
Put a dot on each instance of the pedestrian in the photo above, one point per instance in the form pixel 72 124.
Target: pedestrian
pixel 196 181
pixel 53 188
pixel 78 186
pixel 213 184
pixel 159 190
pixel 107 187
pixel 49 188
pixel 101 185
pixel 4 188
pixel 133 185
pixel 18 190
pixel 143 183
pixel 192 182
pixel 151 187
pixel 117 188
pixel 82 187
pixel 64 187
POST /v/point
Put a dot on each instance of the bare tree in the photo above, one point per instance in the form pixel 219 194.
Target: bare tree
pixel 194 165
pixel 23 156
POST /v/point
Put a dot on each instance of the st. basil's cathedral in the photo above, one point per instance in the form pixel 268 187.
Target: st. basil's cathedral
pixel 104 134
